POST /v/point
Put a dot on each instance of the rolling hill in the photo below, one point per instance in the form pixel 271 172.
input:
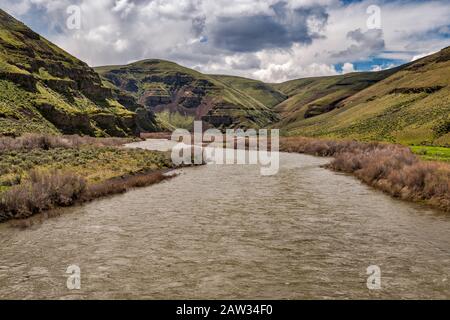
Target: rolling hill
pixel 44 89
pixel 311 97
pixel 179 95
pixel 263 92
pixel 411 106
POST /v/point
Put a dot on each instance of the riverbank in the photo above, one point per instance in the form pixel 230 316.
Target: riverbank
pixel 408 173
pixel 394 169
pixel 288 236
pixel 39 172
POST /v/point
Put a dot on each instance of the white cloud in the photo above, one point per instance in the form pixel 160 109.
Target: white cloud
pixel 123 6
pixel 348 68
pixel 422 55
pixel 120 31
pixel 273 72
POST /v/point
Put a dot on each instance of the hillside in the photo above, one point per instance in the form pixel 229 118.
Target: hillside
pixel 44 89
pixel 311 97
pixel 410 106
pixel 263 92
pixel 179 95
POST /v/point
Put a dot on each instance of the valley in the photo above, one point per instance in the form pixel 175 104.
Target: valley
pixel 245 149
pixel 53 107
pixel 43 89
pixel 306 233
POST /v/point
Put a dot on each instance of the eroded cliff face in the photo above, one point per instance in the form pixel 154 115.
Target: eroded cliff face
pixel 176 93
pixel 43 85
pixel 164 86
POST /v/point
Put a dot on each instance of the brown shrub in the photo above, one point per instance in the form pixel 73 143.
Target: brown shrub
pixel 393 169
pixel 46 142
pixel 123 184
pixel 156 135
pixel 42 191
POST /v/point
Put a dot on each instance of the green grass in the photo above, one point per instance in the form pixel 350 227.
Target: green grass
pixel 432 153
pixel 45 75
pixel 9 68
pixel 38 173
pixel 8 37
pixel 17 112
pixel 260 91
pixel 95 164
pixel 176 120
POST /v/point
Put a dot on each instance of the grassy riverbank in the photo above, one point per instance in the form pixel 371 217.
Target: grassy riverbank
pixel 432 153
pixel 39 172
pixel 394 169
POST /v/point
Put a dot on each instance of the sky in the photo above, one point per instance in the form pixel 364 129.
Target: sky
pixel 270 40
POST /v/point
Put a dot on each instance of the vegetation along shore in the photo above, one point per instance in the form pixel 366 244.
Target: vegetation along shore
pixel 41 172
pixel 394 169
pixel 49 99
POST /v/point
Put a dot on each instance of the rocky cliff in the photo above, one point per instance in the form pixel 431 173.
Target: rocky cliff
pixel 44 89
pixel 166 87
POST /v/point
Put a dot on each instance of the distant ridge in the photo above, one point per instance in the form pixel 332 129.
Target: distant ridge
pixel 164 86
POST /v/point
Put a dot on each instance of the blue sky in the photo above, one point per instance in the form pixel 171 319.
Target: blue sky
pixel 271 40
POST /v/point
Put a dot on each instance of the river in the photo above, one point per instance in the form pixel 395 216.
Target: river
pixel 226 232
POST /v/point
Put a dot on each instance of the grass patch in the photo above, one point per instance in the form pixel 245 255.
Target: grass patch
pixel 432 153
pixel 176 120
pixel 43 191
pixel 39 172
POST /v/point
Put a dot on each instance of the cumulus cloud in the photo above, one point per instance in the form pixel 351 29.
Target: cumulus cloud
pixel 279 29
pixel 272 40
pixel 348 68
pixel 368 43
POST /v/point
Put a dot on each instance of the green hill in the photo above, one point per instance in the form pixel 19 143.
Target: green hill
pixel 311 97
pixel 410 106
pixel 263 92
pixel 44 89
pixel 179 95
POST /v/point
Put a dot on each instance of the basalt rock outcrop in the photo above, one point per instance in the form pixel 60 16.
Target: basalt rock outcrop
pixel 163 86
pixel 43 88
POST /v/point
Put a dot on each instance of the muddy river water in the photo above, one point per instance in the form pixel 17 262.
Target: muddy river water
pixel 227 232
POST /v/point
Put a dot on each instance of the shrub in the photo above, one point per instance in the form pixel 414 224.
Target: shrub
pixel 38 141
pixel 46 190
pixel 121 185
pixel 41 191
pixel 393 169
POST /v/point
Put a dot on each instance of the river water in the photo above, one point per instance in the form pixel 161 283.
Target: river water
pixel 227 232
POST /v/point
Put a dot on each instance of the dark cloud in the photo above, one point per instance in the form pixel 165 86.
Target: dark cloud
pixel 280 29
pixel 366 44
pixel 198 25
